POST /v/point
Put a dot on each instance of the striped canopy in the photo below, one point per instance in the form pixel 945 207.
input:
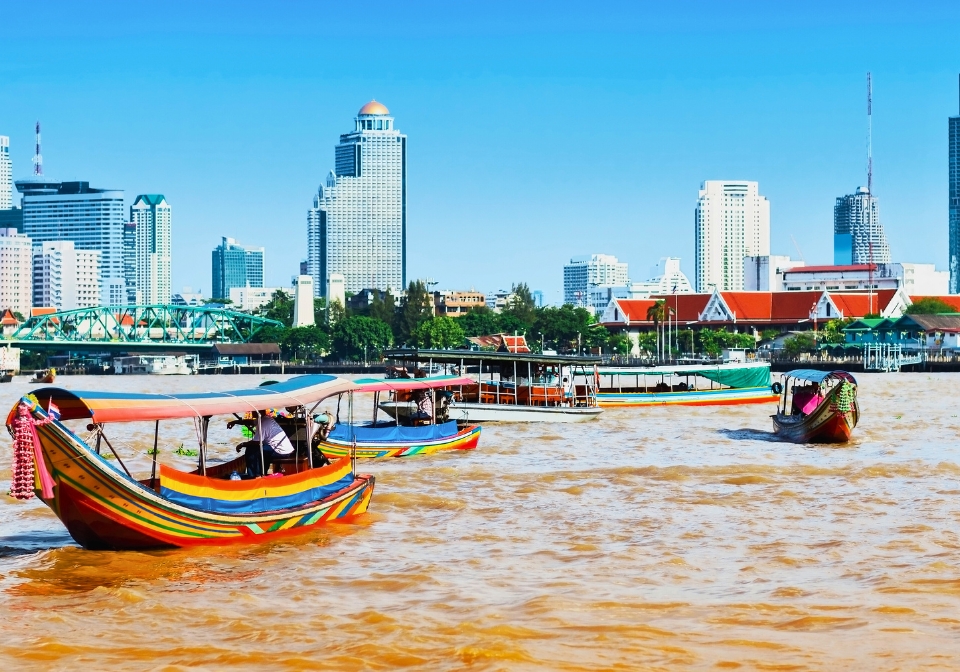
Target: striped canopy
pixel 132 407
pixel 383 384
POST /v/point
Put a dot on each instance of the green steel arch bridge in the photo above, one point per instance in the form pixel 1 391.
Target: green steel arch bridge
pixel 155 329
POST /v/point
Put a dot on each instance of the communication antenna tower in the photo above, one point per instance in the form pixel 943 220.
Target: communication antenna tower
pixel 38 159
pixel 869 135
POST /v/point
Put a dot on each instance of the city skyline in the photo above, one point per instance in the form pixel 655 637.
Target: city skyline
pixel 501 148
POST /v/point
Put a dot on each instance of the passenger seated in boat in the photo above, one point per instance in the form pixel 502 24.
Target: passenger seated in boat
pixel 806 399
pixel 444 397
pixel 424 413
pixel 276 443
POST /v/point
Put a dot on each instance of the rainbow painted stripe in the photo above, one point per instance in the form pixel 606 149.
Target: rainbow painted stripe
pixel 719 397
pixel 465 439
pixel 103 508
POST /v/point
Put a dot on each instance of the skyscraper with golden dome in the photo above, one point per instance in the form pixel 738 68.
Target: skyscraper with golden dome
pixel 357 226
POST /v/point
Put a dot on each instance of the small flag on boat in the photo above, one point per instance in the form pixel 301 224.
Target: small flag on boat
pixel 53 411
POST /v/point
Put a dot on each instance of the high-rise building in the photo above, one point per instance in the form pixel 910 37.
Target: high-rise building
pixel 16 271
pixel 151 215
pixel 65 277
pixel 235 266
pixel 597 270
pixel 954 210
pixel 357 226
pixel 91 218
pixel 858 236
pixel 732 222
pixel 130 261
pixel 6 174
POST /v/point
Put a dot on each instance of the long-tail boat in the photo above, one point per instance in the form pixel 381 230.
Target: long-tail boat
pixel 817 407
pixel 106 507
pixel 406 435
pixel 686 385
pixel 509 386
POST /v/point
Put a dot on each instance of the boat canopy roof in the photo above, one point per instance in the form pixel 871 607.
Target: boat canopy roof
pixel 476 356
pixel 134 407
pixel 814 376
pixel 753 374
pixel 384 384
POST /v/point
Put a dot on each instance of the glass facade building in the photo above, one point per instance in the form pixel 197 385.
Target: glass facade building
pixel 235 266
pixel 91 218
pixel 858 236
pixel 357 226
pixel 954 209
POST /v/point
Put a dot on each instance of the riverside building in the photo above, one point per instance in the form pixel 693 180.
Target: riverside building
pixel 91 218
pixel 858 236
pixel 151 217
pixel 732 222
pixel 234 266
pixel 358 223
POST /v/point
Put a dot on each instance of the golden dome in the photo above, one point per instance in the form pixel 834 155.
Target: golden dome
pixel 373 107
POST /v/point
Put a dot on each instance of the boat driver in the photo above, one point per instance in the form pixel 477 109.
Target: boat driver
pixel 276 443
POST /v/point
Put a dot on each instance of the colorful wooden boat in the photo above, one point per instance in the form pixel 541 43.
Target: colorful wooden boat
pixel 686 385
pixel 45 376
pixel 817 407
pixel 378 440
pixel 104 507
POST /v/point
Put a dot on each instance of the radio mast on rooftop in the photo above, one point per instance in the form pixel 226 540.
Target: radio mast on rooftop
pixel 38 159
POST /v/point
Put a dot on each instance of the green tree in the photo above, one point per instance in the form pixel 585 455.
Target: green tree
pixel 384 309
pixel 415 307
pixel 270 334
pixel 279 307
pixel 619 344
pixel 563 327
pixel 305 343
pixel 930 305
pixel 832 332
pixel 221 299
pixel 320 311
pixel 335 313
pixel 794 345
pixel 438 333
pixel 357 338
pixel 480 321
pixel 520 305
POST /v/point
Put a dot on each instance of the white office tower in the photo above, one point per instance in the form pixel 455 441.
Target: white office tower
pixel 91 218
pixel 151 215
pixel 65 277
pixel 357 226
pixel 596 270
pixel 6 174
pixel 732 222
pixel 303 315
pixel 858 236
pixel 16 272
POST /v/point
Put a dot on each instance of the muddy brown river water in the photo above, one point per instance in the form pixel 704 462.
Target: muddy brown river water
pixel 664 538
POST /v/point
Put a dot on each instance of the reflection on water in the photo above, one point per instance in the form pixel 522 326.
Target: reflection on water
pixel 658 538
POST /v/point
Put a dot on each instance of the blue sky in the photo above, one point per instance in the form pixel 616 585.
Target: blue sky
pixel 537 131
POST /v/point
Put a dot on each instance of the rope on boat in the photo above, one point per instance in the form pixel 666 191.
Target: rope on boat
pixel 28 457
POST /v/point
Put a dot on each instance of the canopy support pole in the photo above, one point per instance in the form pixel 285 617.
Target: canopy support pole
pixel 153 468
pixel 263 467
pixel 112 450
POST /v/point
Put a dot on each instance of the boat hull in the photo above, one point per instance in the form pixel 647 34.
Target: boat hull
pixel 826 424
pixel 104 509
pixel 720 397
pixel 478 412
pixel 465 439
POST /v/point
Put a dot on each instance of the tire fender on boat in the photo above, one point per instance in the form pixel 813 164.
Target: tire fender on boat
pixel 777 388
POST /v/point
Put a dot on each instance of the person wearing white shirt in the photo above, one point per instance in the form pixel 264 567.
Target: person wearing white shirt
pixel 276 443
